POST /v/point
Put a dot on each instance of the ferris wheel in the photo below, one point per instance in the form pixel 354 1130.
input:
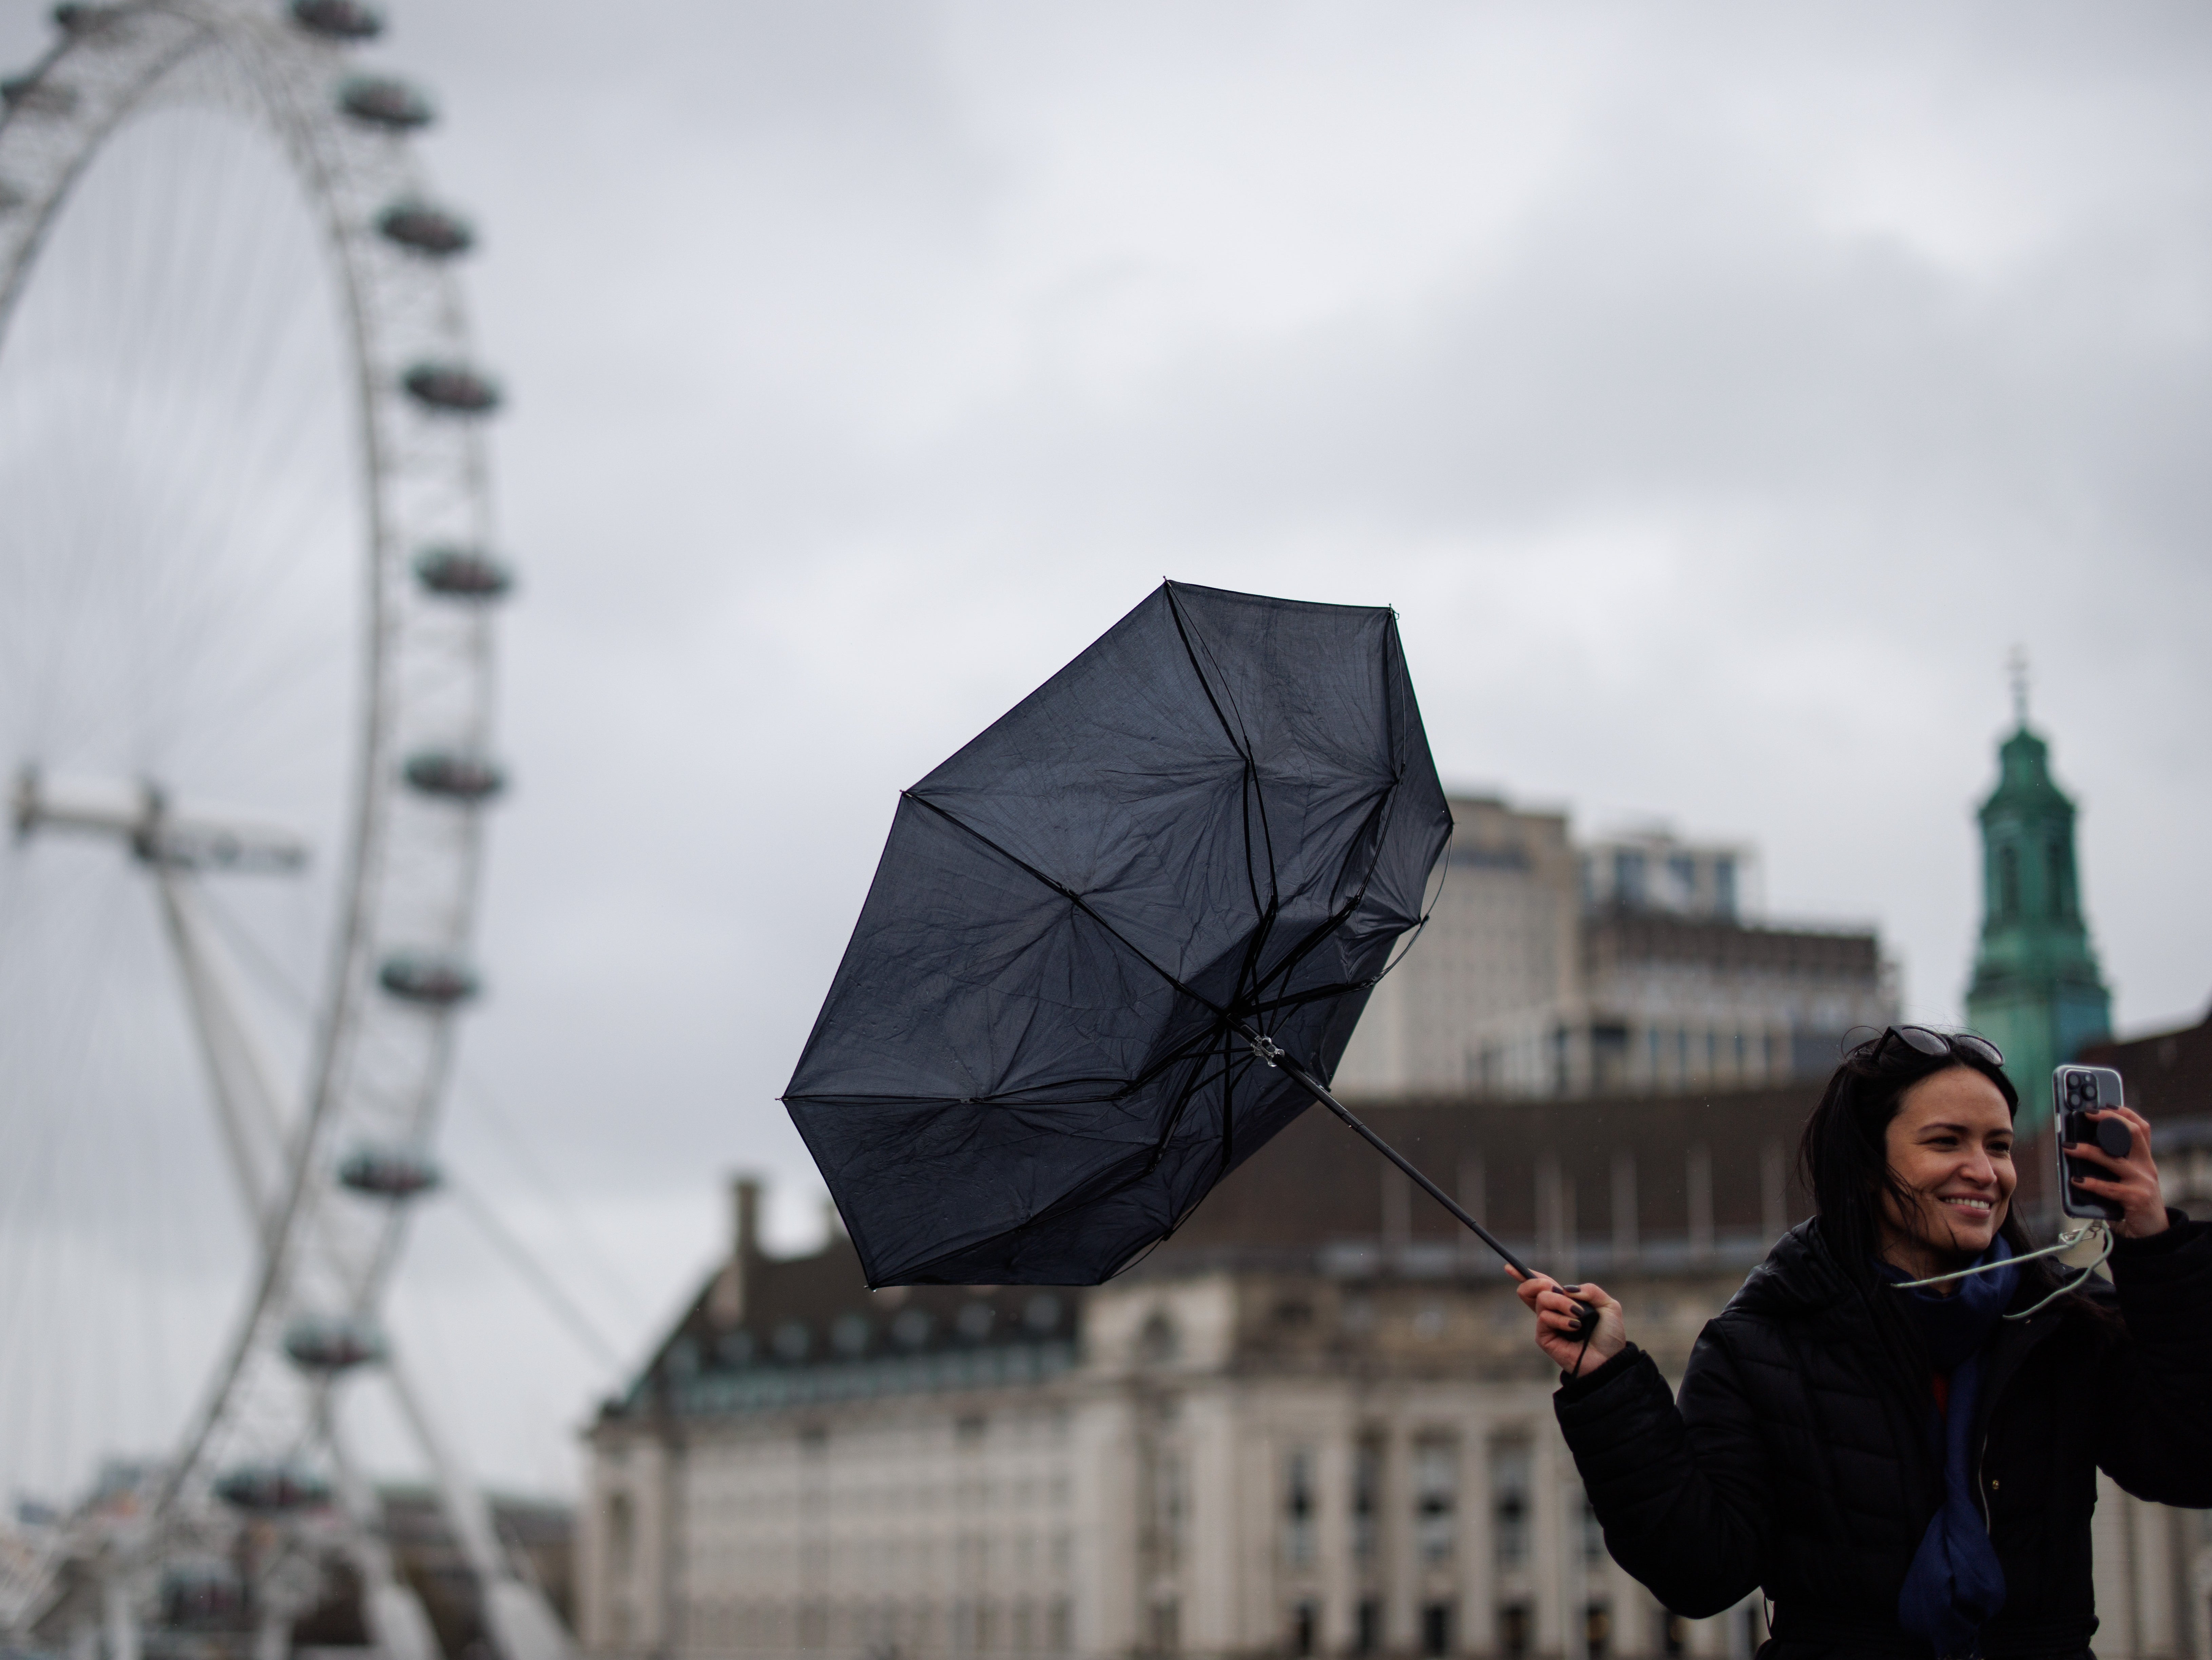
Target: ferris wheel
pixel 247 580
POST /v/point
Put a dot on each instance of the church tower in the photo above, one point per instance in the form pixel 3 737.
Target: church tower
pixel 2036 992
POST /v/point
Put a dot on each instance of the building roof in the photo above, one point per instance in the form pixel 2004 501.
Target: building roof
pixel 2169 1073
pixel 1315 1185
pixel 1685 1182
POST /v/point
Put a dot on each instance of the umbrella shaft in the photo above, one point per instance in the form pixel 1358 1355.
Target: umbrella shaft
pixel 1306 1080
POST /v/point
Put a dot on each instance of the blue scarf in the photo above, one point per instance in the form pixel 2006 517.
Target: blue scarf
pixel 1956 1584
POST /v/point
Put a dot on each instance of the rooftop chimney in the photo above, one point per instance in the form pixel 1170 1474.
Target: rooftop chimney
pixel 725 1300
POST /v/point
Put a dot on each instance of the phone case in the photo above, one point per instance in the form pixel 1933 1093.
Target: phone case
pixel 2076 1091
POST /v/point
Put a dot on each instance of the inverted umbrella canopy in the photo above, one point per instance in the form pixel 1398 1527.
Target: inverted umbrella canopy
pixel 1095 929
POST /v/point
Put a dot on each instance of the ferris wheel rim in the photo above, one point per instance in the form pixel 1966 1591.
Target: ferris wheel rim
pixel 364 982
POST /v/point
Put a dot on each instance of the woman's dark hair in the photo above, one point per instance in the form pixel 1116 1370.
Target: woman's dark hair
pixel 1843 1155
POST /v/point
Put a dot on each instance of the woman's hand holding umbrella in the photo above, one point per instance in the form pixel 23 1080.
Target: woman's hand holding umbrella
pixel 1559 1324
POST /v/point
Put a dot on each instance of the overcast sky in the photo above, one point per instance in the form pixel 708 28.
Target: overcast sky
pixel 1717 391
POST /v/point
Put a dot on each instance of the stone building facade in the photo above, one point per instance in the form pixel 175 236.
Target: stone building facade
pixel 1550 968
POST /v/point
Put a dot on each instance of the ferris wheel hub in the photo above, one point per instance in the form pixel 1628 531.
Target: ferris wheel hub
pixel 141 815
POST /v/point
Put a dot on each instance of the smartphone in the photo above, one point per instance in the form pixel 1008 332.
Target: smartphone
pixel 2076 1092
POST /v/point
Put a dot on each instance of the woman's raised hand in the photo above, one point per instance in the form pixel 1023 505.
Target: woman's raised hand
pixel 1557 1318
pixel 2134 1180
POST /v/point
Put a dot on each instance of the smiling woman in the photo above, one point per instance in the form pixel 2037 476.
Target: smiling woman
pixel 1904 1467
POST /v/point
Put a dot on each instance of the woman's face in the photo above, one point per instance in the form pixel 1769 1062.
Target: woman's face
pixel 1951 1146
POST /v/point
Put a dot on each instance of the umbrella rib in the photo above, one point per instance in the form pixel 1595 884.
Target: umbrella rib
pixel 1122 1086
pixel 1181 1105
pixel 1228 1102
pixel 1313 994
pixel 1068 894
pixel 1084 1195
pixel 1299 953
pixel 1242 745
pixel 1028 1096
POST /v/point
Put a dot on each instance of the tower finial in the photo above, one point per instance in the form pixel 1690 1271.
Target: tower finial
pixel 2016 666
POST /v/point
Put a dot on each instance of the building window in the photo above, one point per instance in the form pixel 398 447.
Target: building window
pixel 1060 1633
pixel 1166 1631
pixel 1608 1055
pixel 1436 1630
pixel 1305 1627
pixel 1628 879
pixel 1674 1634
pixel 1436 1497
pixel 1597 1631
pixel 621 1533
pixel 2008 882
pixel 1162 1474
pixel 1159 1342
pixel 1298 1507
pixel 1367 1627
pixel 1366 1497
pixel 1513 1630
pixel 1509 1501
pixel 1593 1534
pixel 1682 868
pixel 2062 900
pixel 1724 886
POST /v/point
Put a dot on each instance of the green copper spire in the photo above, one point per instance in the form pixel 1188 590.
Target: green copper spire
pixel 2036 993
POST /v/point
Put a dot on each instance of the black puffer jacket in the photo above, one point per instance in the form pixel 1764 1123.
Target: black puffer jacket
pixel 1797 1459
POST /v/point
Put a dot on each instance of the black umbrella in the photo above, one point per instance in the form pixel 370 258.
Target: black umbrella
pixel 1121 939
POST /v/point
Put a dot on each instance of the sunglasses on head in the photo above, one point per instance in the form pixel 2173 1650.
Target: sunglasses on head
pixel 1935 1044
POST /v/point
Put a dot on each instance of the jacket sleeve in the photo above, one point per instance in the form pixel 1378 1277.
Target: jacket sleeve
pixel 2154 1399
pixel 1682 1490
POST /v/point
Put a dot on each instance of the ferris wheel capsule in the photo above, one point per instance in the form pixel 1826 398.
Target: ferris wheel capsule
pixel 452 389
pixel 462 573
pixel 423 977
pixel 79 18
pixel 389 1172
pixel 384 101
pixel 207 1595
pixel 273 1489
pixel 422 228
pixel 32 95
pixel 339 19
pixel 332 1344
pixel 455 775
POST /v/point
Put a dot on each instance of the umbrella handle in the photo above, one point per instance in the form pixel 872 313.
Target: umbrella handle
pixel 1267 1051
